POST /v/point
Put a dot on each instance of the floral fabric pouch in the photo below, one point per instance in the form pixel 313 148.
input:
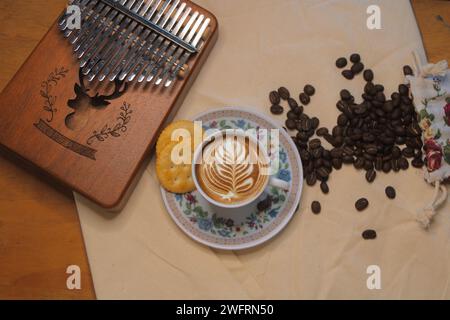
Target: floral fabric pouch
pixel 431 92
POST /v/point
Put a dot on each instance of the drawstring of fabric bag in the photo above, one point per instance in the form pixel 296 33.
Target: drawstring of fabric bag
pixel 426 214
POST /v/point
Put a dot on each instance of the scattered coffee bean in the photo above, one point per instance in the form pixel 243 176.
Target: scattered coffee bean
pixel 324 187
pixel 361 204
pixel 309 90
pixel 369 234
pixel 417 163
pixel 316 207
pixel 348 74
pixel 321 132
pixel 304 98
pixel 371 175
pixel 368 75
pixel 390 192
pixel 408 71
pixel 311 179
pixel 290 124
pixel 276 109
pixel 274 97
pixel 355 58
pixel 284 93
pixel 341 62
pixel 292 103
pixel 345 95
pixel 264 204
pixel 357 68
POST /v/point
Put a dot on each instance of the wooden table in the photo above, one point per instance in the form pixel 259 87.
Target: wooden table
pixel 40 233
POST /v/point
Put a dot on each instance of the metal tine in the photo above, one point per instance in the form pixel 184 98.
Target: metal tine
pixel 187 27
pixel 106 33
pixel 175 32
pixel 186 55
pixel 162 52
pixel 133 57
pixel 99 11
pixel 128 61
pixel 100 29
pixel 89 29
pixel 130 48
pixel 115 43
pixel 164 59
pixel 127 43
pixel 144 51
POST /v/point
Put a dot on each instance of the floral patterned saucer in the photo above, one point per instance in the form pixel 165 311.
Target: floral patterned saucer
pixel 229 229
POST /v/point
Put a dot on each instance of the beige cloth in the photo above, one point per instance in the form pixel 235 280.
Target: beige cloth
pixel 141 253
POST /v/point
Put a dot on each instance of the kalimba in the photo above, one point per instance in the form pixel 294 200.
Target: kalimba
pixel 87 105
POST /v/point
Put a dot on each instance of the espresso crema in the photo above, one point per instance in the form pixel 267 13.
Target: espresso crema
pixel 232 169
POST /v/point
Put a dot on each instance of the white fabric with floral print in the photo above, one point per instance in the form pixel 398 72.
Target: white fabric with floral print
pixel 432 101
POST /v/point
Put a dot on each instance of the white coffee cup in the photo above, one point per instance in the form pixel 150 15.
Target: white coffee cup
pixel 272 180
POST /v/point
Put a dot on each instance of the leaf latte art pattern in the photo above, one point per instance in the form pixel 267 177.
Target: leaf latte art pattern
pixel 231 170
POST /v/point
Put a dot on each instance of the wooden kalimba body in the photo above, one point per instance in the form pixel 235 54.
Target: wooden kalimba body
pixel 88 104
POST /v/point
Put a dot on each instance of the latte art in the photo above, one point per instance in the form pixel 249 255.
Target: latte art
pixel 231 170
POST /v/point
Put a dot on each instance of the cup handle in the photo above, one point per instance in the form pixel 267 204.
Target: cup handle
pixel 278 183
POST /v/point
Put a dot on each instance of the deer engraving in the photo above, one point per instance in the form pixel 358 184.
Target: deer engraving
pixel 84 104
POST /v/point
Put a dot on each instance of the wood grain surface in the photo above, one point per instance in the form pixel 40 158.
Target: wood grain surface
pixel 39 228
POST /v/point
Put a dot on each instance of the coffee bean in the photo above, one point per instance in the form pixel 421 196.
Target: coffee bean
pixel 304 98
pixel 316 207
pixel 322 173
pixel 291 115
pixel 359 163
pixel 403 89
pixel 387 167
pixel 309 90
pixel 274 97
pixel 317 152
pixel 311 179
pixel 408 71
pixel 348 74
pixel 337 163
pixel 341 62
pixel 371 175
pixel 403 163
pixel 298 110
pixel 417 163
pixel 276 109
pixel 379 87
pixel 357 68
pixel 292 103
pixel 342 120
pixel 369 234
pixel 290 124
pixel 408 152
pixel 361 204
pixel 264 204
pixel 321 131
pixel 314 143
pixel 390 192
pixel 355 58
pixel 324 187
pixel 315 123
pixel 345 95
pixel 368 75
pixel 284 93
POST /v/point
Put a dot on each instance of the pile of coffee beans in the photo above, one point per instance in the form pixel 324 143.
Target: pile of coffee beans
pixel 376 133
